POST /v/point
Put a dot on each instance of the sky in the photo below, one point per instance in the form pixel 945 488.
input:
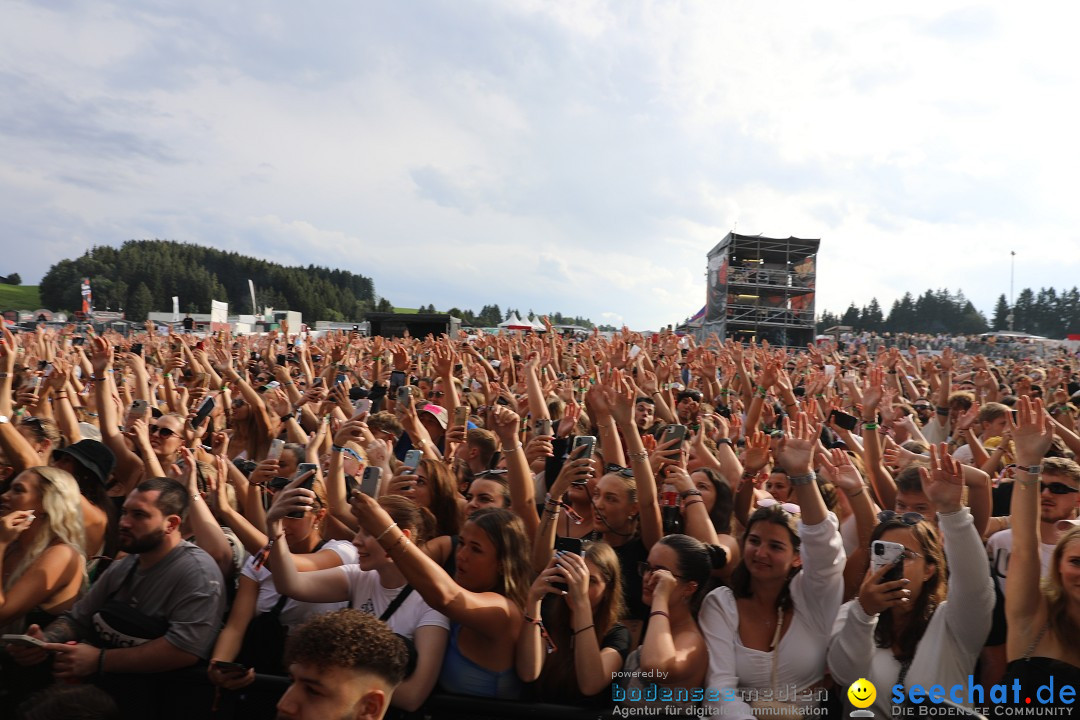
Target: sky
pixel 572 156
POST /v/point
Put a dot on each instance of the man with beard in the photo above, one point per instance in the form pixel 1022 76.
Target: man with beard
pixel 154 611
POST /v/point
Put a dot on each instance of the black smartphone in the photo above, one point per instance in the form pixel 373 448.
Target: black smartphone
pixel 843 420
pixel 397 379
pixel 231 667
pixel 136 349
pixel 308 484
pixel 340 379
pixel 280 359
pixel 78 340
pixel 205 409
pixel 570 545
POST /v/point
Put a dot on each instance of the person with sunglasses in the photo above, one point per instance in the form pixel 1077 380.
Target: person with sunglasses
pixel 1043 618
pixel 768 629
pixel 904 631
pixel 675 579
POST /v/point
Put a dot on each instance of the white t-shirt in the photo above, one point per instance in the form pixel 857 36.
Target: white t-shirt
pixel 999 548
pixel 369 595
pixel 295 612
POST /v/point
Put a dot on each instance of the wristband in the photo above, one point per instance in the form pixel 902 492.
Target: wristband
pixel 581 630
pixel 687 493
pixel 517 447
pixel 661 613
pixel 941 410
pixel 643 455
pixel 1031 469
pixel 168 375
pixel 870 426
pixel 287 417
pixel 725 441
pixel 388 529
pixel 798 480
pixel 693 501
pixel 857 492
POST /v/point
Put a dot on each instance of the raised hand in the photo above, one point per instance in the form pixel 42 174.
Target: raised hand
pixel 798 445
pixel 943 481
pixel 1033 431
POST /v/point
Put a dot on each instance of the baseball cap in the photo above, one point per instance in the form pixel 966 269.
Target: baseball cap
pixel 439 413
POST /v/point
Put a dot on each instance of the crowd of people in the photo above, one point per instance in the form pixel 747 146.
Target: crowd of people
pixel 599 523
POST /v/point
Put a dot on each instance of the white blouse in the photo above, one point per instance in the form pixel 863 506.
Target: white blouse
pixel 816 592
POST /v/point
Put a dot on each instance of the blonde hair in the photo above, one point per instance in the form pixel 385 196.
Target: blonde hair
pixel 1057 603
pixel 61 507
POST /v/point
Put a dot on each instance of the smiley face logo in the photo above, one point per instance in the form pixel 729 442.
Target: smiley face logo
pixel 862 693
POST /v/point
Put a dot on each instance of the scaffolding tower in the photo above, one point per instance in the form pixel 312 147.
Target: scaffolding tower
pixel 761 288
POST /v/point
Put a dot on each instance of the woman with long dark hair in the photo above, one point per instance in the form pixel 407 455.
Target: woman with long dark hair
pixel 769 629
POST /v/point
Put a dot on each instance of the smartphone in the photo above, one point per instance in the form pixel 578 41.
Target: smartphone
pixel 280 359
pixel 882 553
pixel 140 408
pixel 412 459
pixel 397 379
pixel 22 641
pixel 42 364
pixel 586 441
pixel 369 484
pixel 308 484
pixel 305 468
pixel 272 385
pixel 404 393
pixel 231 667
pixel 340 379
pixel 204 410
pixel 461 415
pixel 317 382
pixel 362 405
pixel 843 420
pixel 571 545
pixel 198 346
pixel 674 432
pixel 136 349
pixel 542 427
pixel 78 340
pixel 276 446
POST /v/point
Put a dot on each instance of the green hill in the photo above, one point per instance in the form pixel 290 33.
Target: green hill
pixel 20 297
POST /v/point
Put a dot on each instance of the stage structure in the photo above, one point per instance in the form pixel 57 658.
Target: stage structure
pixel 762 289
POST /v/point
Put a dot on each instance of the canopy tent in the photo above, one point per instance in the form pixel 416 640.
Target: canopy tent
pixel 515 323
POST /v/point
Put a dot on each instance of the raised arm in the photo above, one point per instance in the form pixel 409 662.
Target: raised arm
pixel 1032 435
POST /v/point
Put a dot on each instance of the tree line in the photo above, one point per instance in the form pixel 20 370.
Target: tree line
pixel 1046 312
pixel 142 276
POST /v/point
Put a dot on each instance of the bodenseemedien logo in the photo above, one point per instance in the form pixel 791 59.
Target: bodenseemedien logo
pixel 862 694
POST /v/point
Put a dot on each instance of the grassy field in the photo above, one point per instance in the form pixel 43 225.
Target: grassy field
pixel 19 297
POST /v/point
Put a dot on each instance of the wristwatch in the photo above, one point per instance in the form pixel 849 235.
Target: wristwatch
pixel 798 480
pixel 4 419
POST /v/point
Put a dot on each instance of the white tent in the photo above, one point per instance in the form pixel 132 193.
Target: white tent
pixel 515 323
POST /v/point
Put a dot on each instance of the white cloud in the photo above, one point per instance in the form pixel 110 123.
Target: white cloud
pixel 572 156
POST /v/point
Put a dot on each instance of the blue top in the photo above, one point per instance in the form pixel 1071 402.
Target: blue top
pixel 462 676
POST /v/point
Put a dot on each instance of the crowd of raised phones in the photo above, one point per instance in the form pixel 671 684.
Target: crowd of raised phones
pixel 542 519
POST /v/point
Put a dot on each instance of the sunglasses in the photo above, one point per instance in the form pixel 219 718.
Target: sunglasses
pixel 645 568
pixel 162 431
pixel 1057 488
pixel 908 518
pixel 624 471
pixel 791 508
